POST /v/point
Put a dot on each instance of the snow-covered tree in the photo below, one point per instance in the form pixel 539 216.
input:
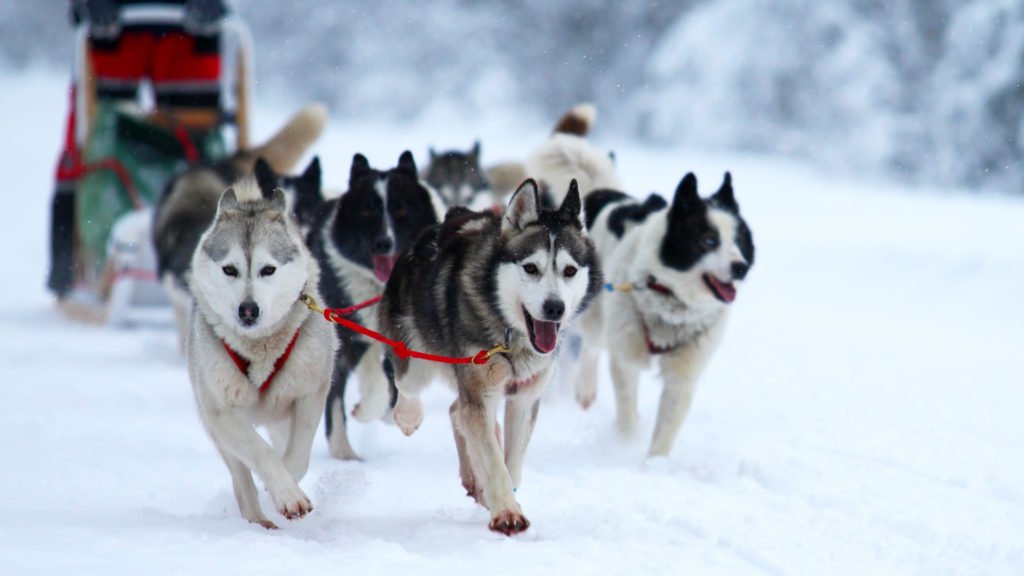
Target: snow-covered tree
pixel 928 89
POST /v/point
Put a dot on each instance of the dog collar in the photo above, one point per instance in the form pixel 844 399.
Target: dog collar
pixel 243 364
pixel 652 284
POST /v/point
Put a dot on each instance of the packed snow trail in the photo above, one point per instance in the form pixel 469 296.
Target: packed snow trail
pixel 861 416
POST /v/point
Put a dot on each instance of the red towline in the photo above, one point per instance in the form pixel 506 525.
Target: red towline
pixel 337 316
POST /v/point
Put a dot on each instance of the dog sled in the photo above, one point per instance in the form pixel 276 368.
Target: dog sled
pixel 117 160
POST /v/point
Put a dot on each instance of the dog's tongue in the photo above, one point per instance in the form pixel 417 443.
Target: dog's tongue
pixel 725 290
pixel 382 266
pixel 545 335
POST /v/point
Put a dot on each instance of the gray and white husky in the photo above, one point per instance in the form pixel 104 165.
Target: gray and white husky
pixel 677 268
pixel 459 179
pixel 189 201
pixel 256 355
pixel 473 281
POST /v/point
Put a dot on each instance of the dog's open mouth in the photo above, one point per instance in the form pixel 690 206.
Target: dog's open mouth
pixel 543 334
pixel 383 265
pixel 724 291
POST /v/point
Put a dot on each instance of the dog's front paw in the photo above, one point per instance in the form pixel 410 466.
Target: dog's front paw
pixel 291 502
pixel 585 397
pixel 508 522
pixel 408 414
pixel 265 523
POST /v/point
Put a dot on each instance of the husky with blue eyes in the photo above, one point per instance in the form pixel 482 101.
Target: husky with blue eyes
pixel 675 269
pixel 256 355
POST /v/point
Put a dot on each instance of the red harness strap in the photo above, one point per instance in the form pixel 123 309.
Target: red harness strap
pixel 652 284
pixel 71 167
pixel 654 349
pixel 336 316
pixel 353 309
pixel 187 146
pixel 243 364
pixel 401 350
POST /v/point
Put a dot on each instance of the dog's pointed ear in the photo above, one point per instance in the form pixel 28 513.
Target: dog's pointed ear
pixel 266 178
pixel 725 197
pixel 228 202
pixel 523 208
pixel 407 162
pixel 571 209
pixel 686 197
pixel 433 153
pixel 312 173
pixel 278 203
pixel 360 167
pixel 474 153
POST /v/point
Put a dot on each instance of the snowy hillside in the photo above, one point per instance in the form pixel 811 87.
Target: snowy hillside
pixel 861 417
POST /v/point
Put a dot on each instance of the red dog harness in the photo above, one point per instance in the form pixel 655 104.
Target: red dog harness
pixel 243 364
pixel 654 349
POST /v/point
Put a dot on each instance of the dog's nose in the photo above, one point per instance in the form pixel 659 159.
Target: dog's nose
pixel 248 312
pixel 739 270
pixel 383 245
pixel 553 310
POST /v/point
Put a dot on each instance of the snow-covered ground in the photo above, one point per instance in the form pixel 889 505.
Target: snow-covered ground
pixel 861 417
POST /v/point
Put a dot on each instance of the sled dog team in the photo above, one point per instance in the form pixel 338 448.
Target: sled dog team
pixel 521 255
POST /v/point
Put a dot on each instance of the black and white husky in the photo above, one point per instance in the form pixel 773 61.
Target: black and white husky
pixel 459 179
pixel 676 269
pixel 476 280
pixel 256 355
pixel 357 238
pixel 304 192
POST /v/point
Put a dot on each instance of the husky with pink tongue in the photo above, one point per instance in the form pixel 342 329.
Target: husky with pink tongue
pixel 676 269
pixel 476 280
pixel 356 238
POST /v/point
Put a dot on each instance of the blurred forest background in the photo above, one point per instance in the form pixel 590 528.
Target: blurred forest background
pixel 924 90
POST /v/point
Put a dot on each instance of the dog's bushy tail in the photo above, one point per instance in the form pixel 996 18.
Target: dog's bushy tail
pixel 577 120
pixel 567 155
pixel 284 149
